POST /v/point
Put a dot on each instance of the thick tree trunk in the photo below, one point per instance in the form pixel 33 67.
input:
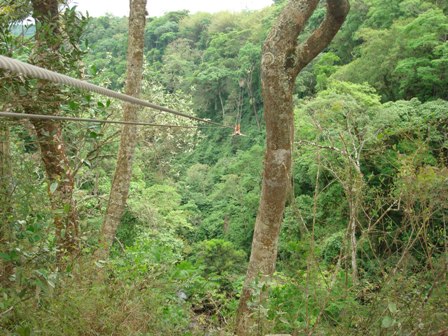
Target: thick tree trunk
pixel 282 60
pixel 60 186
pixel 49 133
pixel 276 185
pixel 123 172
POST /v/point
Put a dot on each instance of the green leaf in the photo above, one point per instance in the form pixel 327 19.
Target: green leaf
pixel 24 331
pixel 10 256
pixel 392 307
pixel 53 187
pixel 387 322
pixel 67 208
pixel 73 105
pixel 22 91
pixel 87 163
pixel 94 135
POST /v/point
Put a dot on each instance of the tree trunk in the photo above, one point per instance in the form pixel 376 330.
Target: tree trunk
pixel 60 187
pixel 49 133
pixel 355 199
pixel 123 171
pixel 283 58
pixel 5 178
pixel 252 97
pixel 6 268
pixel 353 241
pixel 222 104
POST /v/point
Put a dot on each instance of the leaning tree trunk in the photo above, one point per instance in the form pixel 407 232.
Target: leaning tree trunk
pixel 49 133
pixel 282 60
pixel 123 171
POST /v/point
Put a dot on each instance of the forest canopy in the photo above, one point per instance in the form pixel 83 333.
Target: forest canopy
pixel 363 245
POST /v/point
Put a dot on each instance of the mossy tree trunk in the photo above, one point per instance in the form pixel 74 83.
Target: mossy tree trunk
pixel 6 268
pixel 282 60
pixel 49 133
pixel 123 171
pixel 5 178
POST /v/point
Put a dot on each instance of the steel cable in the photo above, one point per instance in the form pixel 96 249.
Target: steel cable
pixel 62 118
pixel 29 70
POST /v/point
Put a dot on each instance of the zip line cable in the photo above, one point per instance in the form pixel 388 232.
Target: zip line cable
pixel 29 70
pixel 52 117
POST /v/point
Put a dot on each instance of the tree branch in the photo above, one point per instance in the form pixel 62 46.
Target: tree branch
pixel 337 11
pixel 311 143
pixel 283 35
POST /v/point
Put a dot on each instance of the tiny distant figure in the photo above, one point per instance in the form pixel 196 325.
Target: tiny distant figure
pixel 237 130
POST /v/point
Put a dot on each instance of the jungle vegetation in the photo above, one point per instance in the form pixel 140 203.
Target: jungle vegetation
pixel 362 248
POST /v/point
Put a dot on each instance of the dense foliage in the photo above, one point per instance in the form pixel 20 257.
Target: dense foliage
pixel 372 137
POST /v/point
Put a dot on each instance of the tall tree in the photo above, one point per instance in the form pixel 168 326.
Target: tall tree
pixel 46 53
pixel 346 118
pixel 5 174
pixel 282 60
pixel 123 171
pixel 5 195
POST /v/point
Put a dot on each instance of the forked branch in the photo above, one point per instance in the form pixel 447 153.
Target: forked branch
pixel 337 11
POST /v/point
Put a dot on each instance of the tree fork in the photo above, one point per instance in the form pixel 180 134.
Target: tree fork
pixel 282 60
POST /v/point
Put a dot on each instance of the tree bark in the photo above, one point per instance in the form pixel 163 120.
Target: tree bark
pixel 5 178
pixel 282 60
pixel 353 208
pixel 6 268
pixel 252 96
pixel 123 171
pixel 355 194
pixel 60 187
pixel 49 133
